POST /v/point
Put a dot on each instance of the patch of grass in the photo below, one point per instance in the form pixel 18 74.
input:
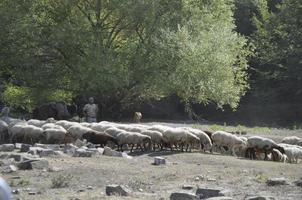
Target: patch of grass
pixel 19 183
pixel 240 129
pixel 61 181
pixel 261 178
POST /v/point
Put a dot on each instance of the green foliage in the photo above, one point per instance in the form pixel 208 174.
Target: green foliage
pixel 128 51
pixel 61 181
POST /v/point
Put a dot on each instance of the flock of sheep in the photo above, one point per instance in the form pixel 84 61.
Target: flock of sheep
pixel 147 137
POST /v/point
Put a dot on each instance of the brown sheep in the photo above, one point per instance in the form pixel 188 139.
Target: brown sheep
pixel 137 117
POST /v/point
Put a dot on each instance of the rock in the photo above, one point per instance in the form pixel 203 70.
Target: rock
pixel 16 191
pixel 125 155
pixel 43 146
pixel 7 147
pixel 196 179
pixel 54 147
pixel 32 193
pixel 90 145
pixel 109 152
pixel 159 161
pixel 183 196
pixel 33 164
pixel 220 198
pixel 70 149
pixel 100 150
pixel 47 152
pixel 188 187
pixel 277 181
pixel 7 161
pixel 82 153
pixel 119 190
pixel 260 198
pixel 9 169
pixel 18 145
pixel 25 147
pixel 298 182
pixel 204 193
pixel 89 187
pixel 35 150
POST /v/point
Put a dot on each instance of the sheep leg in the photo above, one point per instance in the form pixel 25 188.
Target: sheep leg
pixel 233 151
pixel 132 148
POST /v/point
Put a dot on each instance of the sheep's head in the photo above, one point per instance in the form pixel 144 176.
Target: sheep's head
pixel 147 139
pixel 208 146
pixel 89 135
pixel 281 149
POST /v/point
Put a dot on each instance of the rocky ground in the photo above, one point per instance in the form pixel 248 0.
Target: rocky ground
pixel 68 177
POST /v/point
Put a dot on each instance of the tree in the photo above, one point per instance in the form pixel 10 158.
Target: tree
pixel 125 51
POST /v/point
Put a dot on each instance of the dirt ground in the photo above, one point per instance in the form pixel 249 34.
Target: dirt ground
pixel 239 176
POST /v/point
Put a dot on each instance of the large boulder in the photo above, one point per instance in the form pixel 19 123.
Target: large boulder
pixel 159 161
pixel 204 193
pixel 7 147
pixel 25 147
pixel 33 164
pixel 260 198
pixel 277 181
pixel 82 153
pixel 110 152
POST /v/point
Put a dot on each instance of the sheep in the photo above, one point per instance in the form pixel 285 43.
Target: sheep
pixel 293 152
pixel 52 126
pixel 114 131
pixel 4 136
pixel 99 138
pixel 258 143
pixel 205 141
pixel 132 138
pixel 292 140
pixel 222 138
pixel 175 136
pixel 276 155
pixel 57 136
pixel 66 124
pixel 77 131
pixel 130 128
pixel 36 122
pixel 156 137
pixel 101 127
pixel 26 134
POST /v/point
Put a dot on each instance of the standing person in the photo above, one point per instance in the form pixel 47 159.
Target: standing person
pixel 90 111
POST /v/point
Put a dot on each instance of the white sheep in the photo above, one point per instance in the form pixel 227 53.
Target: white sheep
pixel 77 131
pixel 57 136
pixel 101 127
pixel 114 131
pixel 132 138
pixel 292 140
pixel 205 140
pixel 26 133
pixel 261 144
pixel 156 137
pixel 66 124
pixel 222 139
pixel 52 126
pixel 276 155
pixel 293 152
pixel 36 122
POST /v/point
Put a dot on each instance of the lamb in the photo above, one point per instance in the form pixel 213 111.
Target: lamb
pixel 132 138
pixel 156 138
pixel 292 140
pixel 77 131
pixel 4 136
pixel 222 138
pixel 293 152
pixel 99 138
pixel 256 143
pixel 278 156
pixel 205 141
pixel 26 134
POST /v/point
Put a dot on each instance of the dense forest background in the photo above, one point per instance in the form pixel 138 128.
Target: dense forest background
pixel 233 61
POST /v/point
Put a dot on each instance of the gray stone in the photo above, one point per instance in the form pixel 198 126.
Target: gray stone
pixel 82 153
pixel 159 161
pixel 54 147
pixel 18 145
pixel 109 152
pixel 220 198
pixel 25 147
pixel 35 150
pixel 183 196
pixel 46 153
pixel 119 190
pixel 277 181
pixel 70 149
pixel 260 198
pixel 7 161
pixel 79 143
pixel 33 164
pixel 9 169
pixel 7 147
pixel 204 193
pixel 188 187
pixel 298 183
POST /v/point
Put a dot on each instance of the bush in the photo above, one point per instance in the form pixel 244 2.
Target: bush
pixel 61 181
